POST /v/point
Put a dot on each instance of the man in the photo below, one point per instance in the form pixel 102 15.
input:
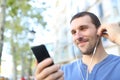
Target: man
pixel 95 64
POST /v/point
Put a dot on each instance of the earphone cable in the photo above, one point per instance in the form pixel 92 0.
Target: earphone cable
pixel 78 65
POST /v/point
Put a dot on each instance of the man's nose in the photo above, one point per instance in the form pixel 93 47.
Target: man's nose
pixel 78 35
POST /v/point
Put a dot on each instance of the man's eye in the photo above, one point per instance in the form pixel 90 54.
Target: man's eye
pixel 73 32
pixel 83 28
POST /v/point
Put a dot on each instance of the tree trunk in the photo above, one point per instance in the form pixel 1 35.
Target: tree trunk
pixel 13 51
pixel 2 22
pixel 14 69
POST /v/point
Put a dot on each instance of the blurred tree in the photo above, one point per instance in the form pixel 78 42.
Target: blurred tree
pixel 2 22
pixel 18 13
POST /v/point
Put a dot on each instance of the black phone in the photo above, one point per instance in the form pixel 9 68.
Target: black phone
pixel 40 52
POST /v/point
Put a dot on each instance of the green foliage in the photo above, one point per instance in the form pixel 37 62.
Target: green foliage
pixel 17 11
pixel 21 5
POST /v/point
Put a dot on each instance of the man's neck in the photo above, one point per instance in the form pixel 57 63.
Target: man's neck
pixel 91 60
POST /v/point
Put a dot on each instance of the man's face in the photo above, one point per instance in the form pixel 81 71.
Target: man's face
pixel 84 34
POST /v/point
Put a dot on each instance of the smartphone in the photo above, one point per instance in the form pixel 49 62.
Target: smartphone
pixel 40 52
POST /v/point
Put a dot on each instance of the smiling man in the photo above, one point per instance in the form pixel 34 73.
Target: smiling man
pixel 95 63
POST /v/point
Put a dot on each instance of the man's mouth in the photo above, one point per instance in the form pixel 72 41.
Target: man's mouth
pixel 82 43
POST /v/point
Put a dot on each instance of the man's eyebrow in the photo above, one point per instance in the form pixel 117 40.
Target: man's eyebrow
pixel 83 26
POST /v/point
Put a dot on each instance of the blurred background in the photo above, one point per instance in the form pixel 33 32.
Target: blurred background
pixel 27 23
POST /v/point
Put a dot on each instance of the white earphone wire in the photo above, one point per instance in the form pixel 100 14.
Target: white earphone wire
pixel 78 65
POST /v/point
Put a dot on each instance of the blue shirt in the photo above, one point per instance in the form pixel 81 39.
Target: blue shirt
pixel 108 69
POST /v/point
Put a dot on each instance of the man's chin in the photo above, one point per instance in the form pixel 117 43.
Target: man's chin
pixel 86 53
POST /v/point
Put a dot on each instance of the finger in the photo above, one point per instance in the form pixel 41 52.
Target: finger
pixel 105 35
pixel 42 65
pixel 49 70
pixel 61 78
pixel 56 76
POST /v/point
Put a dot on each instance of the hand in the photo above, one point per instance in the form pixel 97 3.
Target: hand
pixel 111 32
pixel 43 72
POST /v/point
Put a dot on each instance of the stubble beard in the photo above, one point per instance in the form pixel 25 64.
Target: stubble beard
pixel 89 50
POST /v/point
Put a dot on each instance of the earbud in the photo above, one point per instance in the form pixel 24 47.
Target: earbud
pixel 104 32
